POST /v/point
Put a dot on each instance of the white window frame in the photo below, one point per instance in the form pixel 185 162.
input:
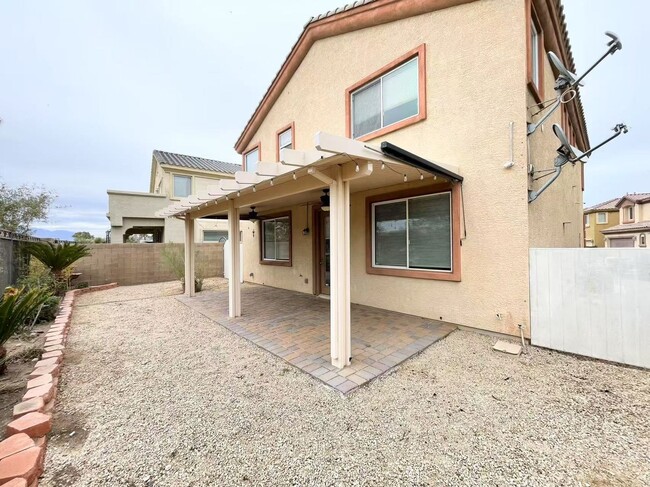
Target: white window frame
pixel 415 59
pixel 535 52
pixel 407 268
pixel 630 213
pixel 214 241
pixel 276 218
pixel 598 222
pixel 285 146
pixel 174 176
pixel 246 154
pixel 587 220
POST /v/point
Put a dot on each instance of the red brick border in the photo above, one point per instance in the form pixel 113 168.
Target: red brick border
pixel 22 453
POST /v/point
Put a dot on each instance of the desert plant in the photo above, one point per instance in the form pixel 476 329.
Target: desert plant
pixel 47 312
pixel 38 276
pixel 16 306
pixel 174 260
pixel 58 257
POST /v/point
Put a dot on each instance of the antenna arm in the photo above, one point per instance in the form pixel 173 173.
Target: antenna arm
pixel 614 45
pixel 533 126
pixel 619 130
pixel 533 195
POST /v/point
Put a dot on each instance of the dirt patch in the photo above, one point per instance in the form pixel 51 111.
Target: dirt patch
pixel 22 352
pixel 68 475
pixel 69 430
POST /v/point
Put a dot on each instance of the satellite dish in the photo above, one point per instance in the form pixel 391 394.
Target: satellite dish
pixel 567 153
pixel 565 75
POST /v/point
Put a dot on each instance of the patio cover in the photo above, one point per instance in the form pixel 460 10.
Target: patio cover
pixel 344 166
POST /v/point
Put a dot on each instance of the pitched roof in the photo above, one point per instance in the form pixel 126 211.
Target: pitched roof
pixel 193 162
pixel 628 227
pixel 344 8
pixel 635 198
pixel 609 205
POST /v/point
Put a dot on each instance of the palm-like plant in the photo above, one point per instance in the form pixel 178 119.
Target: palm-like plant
pixel 16 306
pixel 58 257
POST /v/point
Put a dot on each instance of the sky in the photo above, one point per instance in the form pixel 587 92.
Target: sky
pixel 89 88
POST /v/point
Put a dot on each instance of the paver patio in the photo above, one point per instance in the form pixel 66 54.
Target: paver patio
pixel 295 327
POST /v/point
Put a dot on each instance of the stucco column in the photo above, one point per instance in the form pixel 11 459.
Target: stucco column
pixel 234 284
pixel 189 256
pixel 340 336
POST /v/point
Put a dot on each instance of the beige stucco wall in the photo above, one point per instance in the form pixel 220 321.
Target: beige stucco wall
pixel 556 216
pixel 475 88
pixel 298 277
pixel 128 209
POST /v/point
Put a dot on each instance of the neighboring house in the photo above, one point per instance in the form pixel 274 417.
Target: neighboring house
pixel 598 218
pixel 340 164
pixel 634 229
pixel 173 176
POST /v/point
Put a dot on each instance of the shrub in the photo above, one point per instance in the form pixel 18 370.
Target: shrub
pixel 58 258
pixel 16 306
pixel 49 309
pixel 38 277
pixel 174 260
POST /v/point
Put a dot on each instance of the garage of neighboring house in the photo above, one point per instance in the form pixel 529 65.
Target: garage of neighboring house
pixel 621 242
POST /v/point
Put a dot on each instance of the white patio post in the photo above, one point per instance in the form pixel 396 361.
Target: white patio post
pixel 234 284
pixel 340 337
pixel 189 256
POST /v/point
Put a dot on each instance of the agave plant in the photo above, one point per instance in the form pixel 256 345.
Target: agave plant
pixel 16 306
pixel 57 257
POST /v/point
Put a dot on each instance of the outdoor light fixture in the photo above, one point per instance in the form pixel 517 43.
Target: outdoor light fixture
pixel 252 215
pixel 325 200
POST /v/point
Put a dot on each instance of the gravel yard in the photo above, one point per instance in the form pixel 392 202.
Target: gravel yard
pixel 155 394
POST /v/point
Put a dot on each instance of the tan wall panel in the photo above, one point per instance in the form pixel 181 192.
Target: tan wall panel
pixel 129 264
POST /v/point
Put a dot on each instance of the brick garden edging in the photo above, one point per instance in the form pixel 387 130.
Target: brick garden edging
pixel 22 453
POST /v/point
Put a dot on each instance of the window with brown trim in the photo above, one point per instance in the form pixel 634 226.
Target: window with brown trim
pixel 275 239
pixel 535 44
pixel 415 233
pixel 251 158
pixel 389 99
pixel 284 139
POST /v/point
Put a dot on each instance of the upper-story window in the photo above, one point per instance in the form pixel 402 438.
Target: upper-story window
pixel 182 186
pixel 586 220
pixel 535 54
pixel 251 158
pixel 629 213
pixel 601 218
pixel 285 139
pixel 388 99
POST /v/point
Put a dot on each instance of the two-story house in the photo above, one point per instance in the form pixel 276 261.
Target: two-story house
pixel 598 218
pixel 389 164
pixel 173 176
pixel 634 226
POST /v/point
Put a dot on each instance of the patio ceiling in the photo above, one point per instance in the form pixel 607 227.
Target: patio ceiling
pixel 301 176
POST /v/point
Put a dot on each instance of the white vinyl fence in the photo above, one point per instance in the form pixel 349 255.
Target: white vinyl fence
pixel 593 302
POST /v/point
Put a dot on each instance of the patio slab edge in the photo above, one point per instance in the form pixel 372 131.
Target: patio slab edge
pixel 447 329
